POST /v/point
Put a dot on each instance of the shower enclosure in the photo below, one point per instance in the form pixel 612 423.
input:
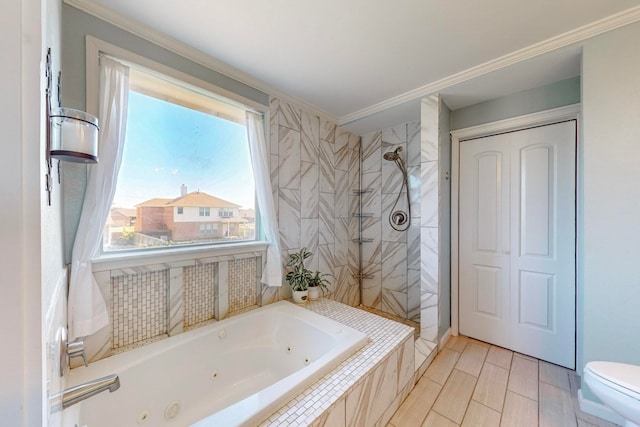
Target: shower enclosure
pixel 407 273
pixel 387 210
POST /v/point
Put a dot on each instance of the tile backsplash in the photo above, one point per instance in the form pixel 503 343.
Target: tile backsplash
pixel 138 307
pixel 199 291
pixel 242 286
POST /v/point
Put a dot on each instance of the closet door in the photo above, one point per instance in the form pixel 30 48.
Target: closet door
pixel 517 241
pixel 484 242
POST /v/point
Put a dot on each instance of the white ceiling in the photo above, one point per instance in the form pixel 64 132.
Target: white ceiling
pixel 352 58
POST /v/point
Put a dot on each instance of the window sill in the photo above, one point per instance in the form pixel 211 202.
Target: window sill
pixel 113 261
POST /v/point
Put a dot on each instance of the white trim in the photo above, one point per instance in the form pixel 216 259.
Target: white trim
pixel 574 36
pixel 540 118
pixel 599 410
pixel 156 37
pixel 130 259
pixel 443 340
pixel 570 112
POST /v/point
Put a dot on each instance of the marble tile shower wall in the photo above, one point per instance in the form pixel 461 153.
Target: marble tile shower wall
pixel 429 223
pixel 314 171
pixel 391 259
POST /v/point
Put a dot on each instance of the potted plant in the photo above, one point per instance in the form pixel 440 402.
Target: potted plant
pixel 299 276
pixel 318 283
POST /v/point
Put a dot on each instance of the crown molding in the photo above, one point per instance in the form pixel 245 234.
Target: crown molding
pixel 567 112
pixel 571 37
pixel 173 45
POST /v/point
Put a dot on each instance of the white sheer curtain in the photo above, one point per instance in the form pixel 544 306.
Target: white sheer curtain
pixel 87 312
pixel 272 274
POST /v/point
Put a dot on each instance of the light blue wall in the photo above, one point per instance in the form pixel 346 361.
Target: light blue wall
pixel 558 94
pixel 609 247
pixel 76 25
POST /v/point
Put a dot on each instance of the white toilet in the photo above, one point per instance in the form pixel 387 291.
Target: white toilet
pixel 618 386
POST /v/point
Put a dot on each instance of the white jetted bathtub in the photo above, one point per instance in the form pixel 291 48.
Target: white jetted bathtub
pixel 235 372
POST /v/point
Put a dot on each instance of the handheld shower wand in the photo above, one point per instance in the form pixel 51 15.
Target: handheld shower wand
pixel 398 219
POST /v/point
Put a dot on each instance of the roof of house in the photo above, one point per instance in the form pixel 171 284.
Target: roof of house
pixel 193 199
pixel 155 202
pixel 128 212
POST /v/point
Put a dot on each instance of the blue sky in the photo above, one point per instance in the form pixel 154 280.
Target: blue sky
pixel 168 145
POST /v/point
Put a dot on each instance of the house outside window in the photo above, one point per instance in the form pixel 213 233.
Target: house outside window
pixel 225 213
pixel 174 136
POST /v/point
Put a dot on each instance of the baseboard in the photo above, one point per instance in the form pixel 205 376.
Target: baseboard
pixel 599 410
pixel 443 340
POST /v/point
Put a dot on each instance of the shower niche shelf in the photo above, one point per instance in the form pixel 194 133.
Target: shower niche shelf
pixel 362 276
pixel 360 240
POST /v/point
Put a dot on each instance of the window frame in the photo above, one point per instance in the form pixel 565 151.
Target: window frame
pixel 94 48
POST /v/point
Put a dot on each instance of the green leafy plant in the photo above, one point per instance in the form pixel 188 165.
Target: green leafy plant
pixel 299 276
pixel 318 279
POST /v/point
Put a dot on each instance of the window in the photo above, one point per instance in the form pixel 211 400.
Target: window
pixel 225 212
pixel 185 154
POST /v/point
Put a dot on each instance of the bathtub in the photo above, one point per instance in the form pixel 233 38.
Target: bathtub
pixel 235 372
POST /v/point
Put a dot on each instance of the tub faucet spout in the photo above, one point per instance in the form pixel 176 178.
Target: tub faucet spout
pixel 77 394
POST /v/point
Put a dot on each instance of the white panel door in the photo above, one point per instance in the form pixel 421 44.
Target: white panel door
pixel 517 241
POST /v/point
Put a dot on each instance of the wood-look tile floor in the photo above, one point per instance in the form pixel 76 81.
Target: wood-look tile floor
pixel 472 383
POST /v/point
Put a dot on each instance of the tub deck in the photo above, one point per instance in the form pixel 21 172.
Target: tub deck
pixel 365 389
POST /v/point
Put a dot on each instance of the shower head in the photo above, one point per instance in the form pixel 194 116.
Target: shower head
pixel 392 156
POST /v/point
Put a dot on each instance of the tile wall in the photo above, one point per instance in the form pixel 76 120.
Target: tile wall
pixel 429 237
pixel 242 290
pixel 138 306
pixel 403 267
pixel 314 171
pixel 199 290
pixel 392 258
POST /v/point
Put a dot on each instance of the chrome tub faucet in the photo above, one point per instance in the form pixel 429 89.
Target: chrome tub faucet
pixel 78 393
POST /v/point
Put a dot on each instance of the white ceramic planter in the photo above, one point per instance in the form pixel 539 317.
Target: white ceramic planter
pixel 300 297
pixel 314 292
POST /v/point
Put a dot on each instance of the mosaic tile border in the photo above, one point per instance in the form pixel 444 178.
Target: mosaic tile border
pixel 242 283
pixel 199 293
pixel 138 307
